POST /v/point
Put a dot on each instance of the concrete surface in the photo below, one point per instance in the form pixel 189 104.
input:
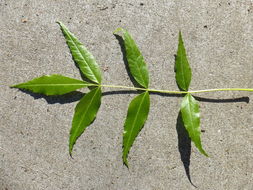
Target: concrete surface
pixel 34 130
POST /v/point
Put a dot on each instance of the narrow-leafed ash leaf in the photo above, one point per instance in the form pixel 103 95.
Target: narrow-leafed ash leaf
pixel 137 114
pixel 85 60
pixel 87 108
pixel 189 106
pixel 85 113
pixel 136 62
pixel 52 85
pixel 138 109
pixel 182 67
pixel 191 119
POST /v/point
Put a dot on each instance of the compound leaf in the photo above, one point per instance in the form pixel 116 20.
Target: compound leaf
pixel 85 113
pixel 52 85
pixel 137 65
pixel 182 67
pixel 82 56
pixel 191 119
pixel 136 116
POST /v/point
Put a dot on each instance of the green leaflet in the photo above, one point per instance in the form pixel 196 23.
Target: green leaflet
pixel 82 56
pixel 85 113
pixel 189 106
pixel 136 116
pixel 191 119
pixel 52 85
pixel 137 65
pixel 182 67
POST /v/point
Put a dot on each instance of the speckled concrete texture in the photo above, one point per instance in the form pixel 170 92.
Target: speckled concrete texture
pixel 34 129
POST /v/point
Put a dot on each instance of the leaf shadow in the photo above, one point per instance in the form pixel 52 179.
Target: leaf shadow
pixel 61 99
pixel 184 146
pixel 227 100
pixel 123 50
pixel 167 95
pixel 77 95
pixel 116 92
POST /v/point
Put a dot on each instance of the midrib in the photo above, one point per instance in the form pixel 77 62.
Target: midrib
pixel 69 84
pixel 189 109
pixel 135 120
pixel 79 124
pixel 82 56
pixel 182 69
pixel 138 68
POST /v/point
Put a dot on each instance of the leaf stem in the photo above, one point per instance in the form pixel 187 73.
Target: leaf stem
pixel 144 89
pixel 175 92
pixel 222 89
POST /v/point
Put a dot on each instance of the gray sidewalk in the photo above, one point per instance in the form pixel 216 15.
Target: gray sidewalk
pixel 34 130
